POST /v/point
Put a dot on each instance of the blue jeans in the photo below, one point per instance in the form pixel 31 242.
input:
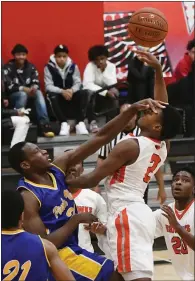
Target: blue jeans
pixel 19 100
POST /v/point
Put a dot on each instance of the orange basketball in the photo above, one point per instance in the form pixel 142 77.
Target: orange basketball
pixel 148 27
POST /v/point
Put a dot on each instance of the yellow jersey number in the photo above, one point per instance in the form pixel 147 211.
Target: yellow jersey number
pixel 12 268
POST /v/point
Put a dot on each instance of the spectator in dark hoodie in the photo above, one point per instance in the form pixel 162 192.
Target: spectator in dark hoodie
pixel 63 86
pixel 22 83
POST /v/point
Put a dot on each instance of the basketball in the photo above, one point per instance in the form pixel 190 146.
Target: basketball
pixel 148 27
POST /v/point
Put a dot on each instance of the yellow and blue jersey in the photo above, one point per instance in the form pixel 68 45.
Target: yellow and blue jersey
pixel 56 202
pixel 23 257
pixel 56 208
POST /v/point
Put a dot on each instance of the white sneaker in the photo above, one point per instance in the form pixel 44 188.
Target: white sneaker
pixel 65 129
pixel 93 127
pixel 81 129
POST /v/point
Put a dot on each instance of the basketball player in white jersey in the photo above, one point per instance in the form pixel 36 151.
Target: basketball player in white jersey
pixel 88 201
pixel 129 168
pixel 176 223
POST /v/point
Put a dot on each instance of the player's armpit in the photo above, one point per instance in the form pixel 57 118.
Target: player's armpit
pixel 59 269
pixel 126 152
pixel 32 221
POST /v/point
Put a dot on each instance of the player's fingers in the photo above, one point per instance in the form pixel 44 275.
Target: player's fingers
pixel 166 216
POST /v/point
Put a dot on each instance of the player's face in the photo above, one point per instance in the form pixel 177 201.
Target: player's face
pixel 74 171
pixel 20 58
pixel 101 62
pixel 182 185
pixel 61 59
pixel 150 120
pixel 36 158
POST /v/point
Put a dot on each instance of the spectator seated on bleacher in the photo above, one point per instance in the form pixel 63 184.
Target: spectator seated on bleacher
pixel 140 78
pixel 22 84
pixel 184 66
pixel 14 118
pixel 181 95
pixel 63 86
pixel 99 73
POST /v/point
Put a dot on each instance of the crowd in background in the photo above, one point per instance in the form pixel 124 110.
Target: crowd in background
pixel 68 97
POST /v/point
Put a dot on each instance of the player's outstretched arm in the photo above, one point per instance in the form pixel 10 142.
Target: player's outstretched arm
pixel 160 90
pixel 59 269
pixel 184 234
pixel 161 188
pixel 105 134
pixel 125 152
pixel 33 223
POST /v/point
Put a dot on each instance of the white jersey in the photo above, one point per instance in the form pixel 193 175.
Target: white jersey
pixel 130 182
pixel 181 255
pixel 88 201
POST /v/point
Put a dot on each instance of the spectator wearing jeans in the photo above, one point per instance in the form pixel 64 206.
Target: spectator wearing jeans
pixel 99 73
pixel 22 83
pixel 63 86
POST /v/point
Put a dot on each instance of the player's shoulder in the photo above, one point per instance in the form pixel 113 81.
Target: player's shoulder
pixel 111 64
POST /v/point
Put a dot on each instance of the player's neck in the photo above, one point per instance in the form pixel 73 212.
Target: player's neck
pixel 148 135
pixel 38 178
pixel 73 190
pixel 180 205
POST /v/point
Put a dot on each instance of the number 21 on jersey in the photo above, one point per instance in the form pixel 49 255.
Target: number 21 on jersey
pixel 12 269
pixel 155 160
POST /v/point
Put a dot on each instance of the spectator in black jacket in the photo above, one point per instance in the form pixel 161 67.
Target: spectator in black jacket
pixel 21 80
pixel 141 80
pixel 63 86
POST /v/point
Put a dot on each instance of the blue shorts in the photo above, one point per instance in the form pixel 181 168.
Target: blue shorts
pixel 86 266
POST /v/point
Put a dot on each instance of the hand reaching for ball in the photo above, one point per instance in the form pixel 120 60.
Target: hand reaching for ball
pixel 148 58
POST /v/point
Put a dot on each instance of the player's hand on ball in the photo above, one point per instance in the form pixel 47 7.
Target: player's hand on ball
pixel 149 103
pixel 148 58
pixel 86 218
pixel 169 214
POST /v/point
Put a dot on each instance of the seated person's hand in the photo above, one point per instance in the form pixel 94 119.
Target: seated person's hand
pixel 6 102
pixel 20 112
pixel 67 94
pixel 113 93
pixel 33 91
pixel 96 228
pixel 27 90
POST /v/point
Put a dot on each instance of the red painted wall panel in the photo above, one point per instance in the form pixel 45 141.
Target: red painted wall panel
pixel 40 26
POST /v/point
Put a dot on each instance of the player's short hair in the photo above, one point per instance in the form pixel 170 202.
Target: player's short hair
pixel 16 156
pixel 12 207
pixel 96 51
pixel 187 169
pixel 190 45
pixel 70 149
pixel 171 122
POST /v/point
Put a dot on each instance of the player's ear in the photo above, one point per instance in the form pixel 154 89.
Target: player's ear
pixel 25 165
pixel 157 127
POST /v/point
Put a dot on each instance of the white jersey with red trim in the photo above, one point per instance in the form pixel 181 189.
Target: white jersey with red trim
pixel 130 182
pixel 88 201
pixel 181 255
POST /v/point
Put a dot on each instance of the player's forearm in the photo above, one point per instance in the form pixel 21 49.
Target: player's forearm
pixel 159 179
pixel 61 235
pixel 160 90
pixel 186 236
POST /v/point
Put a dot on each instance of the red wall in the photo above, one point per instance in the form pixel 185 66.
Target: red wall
pixel 40 26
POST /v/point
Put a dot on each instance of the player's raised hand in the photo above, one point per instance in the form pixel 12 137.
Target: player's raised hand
pixel 148 58
pixel 169 214
pixel 149 103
